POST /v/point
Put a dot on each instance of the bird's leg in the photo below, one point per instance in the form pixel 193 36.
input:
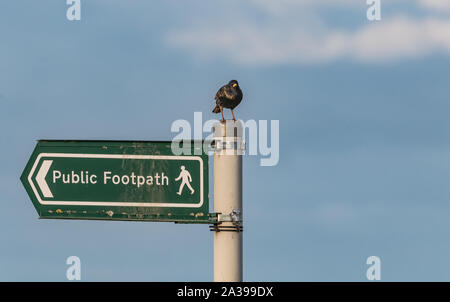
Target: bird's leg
pixel 233 115
pixel 221 112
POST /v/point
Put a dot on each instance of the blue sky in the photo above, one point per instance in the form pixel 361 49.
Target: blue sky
pixel 364 131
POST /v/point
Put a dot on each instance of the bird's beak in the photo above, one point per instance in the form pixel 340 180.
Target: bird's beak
pixel 234 85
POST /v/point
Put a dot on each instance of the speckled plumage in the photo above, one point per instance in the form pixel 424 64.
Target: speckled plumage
pixel 228 96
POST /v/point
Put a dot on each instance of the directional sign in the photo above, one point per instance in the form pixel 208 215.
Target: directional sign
pixel 117 180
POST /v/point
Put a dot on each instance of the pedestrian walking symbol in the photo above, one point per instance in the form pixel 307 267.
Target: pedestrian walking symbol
pixel 186 179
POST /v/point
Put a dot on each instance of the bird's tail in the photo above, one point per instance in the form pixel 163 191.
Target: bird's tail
pixel 216 109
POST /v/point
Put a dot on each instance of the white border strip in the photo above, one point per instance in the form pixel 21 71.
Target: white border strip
pixel 118 204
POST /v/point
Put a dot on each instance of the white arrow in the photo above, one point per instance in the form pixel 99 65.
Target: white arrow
pixel 40 178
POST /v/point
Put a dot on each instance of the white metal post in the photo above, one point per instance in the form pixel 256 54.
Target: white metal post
pixel 228 202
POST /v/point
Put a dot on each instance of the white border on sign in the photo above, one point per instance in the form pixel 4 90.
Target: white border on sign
pixel 118 204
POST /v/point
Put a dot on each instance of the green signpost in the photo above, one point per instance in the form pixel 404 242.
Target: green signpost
pixel 117 180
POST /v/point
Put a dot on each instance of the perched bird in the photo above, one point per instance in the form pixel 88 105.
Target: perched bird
pixel 228 96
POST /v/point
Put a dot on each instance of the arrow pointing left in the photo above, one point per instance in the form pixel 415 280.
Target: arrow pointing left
pixel 40 178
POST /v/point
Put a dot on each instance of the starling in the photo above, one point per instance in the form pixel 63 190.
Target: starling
pixel 228 96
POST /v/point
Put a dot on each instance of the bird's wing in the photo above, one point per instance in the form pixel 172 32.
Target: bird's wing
pixel 220 94
pixel 225 92
pixel 228 92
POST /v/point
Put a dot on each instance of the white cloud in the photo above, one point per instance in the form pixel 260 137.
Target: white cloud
pixel 283 5
pixel 436 4
pixel 292 35
pixel 398 38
